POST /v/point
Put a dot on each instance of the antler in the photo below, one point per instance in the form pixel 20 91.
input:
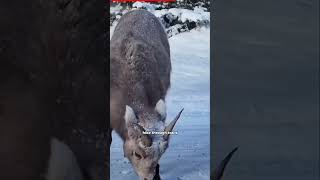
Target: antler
pixel 170 127
pixel 218 172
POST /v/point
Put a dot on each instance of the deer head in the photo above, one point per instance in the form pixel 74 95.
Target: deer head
pixel 142 149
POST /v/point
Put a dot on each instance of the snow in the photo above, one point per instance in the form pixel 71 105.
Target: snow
pixel 147 6
pixel 175 20
pixel 116 9
pixel 187 157
pixel 197 15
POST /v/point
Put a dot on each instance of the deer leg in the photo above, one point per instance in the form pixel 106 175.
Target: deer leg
pixel 107 146
pixel 157 176
pixel 110 137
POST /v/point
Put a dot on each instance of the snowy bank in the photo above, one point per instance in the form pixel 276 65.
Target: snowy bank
pixel 175 19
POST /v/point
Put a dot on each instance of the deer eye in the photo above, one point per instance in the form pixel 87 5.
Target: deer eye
pixel 137 155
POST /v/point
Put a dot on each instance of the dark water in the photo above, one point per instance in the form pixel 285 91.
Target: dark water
pixel 266 79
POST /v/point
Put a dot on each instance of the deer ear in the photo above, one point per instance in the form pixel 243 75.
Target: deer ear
pixel 161 109
pixel 130 116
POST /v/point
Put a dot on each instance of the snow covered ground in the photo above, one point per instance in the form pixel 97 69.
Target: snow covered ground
pixel 188 155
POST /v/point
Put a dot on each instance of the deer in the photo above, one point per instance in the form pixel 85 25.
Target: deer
pixel 140 70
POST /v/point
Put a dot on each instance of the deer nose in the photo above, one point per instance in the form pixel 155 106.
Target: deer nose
pixel 145 179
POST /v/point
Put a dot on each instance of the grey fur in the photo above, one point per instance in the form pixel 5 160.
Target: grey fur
pixel 140 65
pixel 140 76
